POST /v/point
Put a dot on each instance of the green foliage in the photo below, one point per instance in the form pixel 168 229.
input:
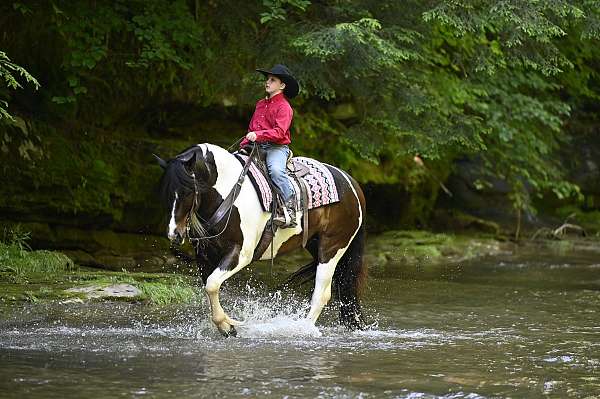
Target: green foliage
pixel 20 263
pixel 143 41
pixel 16 238
pixel 490 80
pixel 7 71
pixel 276 9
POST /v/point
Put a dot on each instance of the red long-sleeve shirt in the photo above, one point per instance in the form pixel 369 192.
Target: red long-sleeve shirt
pixel 271 121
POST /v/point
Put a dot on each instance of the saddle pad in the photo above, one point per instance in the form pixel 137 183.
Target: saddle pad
pixel 319 180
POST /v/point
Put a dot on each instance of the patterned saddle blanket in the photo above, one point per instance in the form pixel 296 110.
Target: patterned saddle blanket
pixel 319 182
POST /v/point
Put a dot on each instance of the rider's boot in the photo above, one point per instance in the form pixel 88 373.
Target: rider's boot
pixel 288 218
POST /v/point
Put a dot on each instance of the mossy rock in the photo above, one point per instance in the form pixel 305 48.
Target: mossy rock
pixel 124 291
pixel 425 248
pixel 35 276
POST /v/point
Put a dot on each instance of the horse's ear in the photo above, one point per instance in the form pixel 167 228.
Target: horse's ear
pixel 161 162
pixel 190 162
pixel 187 155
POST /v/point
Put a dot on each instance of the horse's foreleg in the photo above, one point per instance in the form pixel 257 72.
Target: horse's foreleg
pixel 224 323
pixel 213 284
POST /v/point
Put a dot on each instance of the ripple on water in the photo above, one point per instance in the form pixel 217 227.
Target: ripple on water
pixel 464 341
pixel 267 321
pixel 422 395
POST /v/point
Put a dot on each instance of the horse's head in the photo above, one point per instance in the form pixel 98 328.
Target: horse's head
pixel 186 178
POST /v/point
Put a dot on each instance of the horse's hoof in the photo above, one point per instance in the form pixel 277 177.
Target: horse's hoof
pixel 354 324
pixel 232 332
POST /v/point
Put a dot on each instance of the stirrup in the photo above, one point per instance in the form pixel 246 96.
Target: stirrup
pixel 287 220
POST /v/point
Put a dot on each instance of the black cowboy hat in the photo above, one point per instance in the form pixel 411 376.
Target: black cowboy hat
pixel 292 88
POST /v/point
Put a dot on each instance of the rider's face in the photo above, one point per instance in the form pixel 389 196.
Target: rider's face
pixel 273 85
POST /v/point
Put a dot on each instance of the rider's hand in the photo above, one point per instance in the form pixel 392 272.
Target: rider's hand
pixel 418 160
pixel 251 136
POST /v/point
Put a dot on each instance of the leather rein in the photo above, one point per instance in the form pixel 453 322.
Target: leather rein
pixel 225 208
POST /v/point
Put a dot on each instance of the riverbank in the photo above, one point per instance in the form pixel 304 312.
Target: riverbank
pixel 33 276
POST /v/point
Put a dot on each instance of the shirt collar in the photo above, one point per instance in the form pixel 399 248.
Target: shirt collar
pixel 275 98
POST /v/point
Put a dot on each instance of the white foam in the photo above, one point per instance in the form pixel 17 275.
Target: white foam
pixel 272 316
pixel 280 326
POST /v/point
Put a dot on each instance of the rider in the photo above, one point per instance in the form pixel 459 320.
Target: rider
pixel 270 128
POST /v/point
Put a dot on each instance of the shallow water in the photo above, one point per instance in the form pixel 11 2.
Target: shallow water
pixel 513 326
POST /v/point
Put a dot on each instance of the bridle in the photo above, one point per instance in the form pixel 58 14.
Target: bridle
pixel 225 208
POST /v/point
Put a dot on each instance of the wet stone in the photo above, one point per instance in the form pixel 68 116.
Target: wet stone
pixel 112 291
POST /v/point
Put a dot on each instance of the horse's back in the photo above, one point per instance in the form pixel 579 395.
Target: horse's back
pixel 344 181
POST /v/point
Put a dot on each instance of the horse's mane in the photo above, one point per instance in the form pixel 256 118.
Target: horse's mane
pixel 177 177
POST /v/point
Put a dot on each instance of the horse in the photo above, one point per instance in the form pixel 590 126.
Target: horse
pixel 198 182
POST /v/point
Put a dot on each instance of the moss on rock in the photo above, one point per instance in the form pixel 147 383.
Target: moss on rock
pixel 35 276
pixel 422 247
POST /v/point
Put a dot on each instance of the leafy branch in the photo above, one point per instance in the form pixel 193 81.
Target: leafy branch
pixel 7 71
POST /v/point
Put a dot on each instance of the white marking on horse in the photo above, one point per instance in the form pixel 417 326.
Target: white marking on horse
pixel 322 293
pixel 252 222
pixel 172 223
pixel 213 285
pixel 252 217
pixel 228 169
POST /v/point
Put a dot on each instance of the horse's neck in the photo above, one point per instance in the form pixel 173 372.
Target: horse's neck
pixel 228 169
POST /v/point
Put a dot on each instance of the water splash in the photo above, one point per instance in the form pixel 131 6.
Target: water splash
pixel 272 315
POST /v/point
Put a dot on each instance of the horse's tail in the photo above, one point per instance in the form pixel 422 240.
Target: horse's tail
pixel 349 282
pixel 304 275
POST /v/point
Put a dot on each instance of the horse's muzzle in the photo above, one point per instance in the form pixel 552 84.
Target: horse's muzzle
pixel 176 238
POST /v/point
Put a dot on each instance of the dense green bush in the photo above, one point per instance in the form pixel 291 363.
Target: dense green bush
pixel 382 80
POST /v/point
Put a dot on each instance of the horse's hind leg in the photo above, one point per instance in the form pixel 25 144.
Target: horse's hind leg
pixel 344 221
pixel 347 268
pixel 323 279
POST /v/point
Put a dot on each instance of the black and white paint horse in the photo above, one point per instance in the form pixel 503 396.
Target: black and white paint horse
pixel 198 180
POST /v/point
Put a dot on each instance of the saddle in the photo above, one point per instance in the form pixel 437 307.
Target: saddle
pixel 313 183
pixel 296 171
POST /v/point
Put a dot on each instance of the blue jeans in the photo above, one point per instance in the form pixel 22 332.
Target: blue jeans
pixel 276 156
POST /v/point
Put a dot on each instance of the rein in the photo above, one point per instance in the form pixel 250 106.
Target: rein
pixel 224 208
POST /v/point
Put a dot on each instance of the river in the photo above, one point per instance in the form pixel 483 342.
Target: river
pixel 520 326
